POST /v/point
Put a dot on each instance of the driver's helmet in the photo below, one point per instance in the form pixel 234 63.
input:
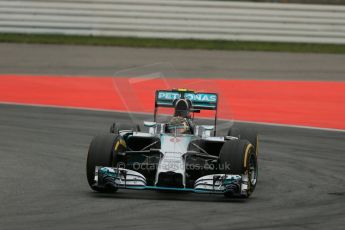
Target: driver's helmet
pixel 179 125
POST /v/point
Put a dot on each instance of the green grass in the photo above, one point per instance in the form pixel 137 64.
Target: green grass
pixel 173 43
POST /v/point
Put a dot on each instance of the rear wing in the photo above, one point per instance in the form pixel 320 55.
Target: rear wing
pixel 202 101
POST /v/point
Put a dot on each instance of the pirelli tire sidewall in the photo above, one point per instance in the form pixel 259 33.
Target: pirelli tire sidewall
pixel 103 151
pixel 237 155
pixel 250 154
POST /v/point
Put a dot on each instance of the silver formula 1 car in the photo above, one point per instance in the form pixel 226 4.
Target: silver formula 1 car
pixel 176 155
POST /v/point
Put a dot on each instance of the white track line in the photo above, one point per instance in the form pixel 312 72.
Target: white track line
pixel 143 113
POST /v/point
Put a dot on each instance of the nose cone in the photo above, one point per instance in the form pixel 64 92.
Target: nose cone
pixel 174 144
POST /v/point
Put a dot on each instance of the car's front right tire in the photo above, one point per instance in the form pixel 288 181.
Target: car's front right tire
pixel 239 157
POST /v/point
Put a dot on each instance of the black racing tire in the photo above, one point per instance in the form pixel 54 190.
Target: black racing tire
pixel 116 127
pixel 246 133
pixel 239 157
pixel 103 151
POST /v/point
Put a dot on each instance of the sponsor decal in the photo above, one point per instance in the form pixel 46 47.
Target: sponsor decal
pixel 194 97
pixel 120 142
pixel 175 139
pixel 168 95
pixel 201 97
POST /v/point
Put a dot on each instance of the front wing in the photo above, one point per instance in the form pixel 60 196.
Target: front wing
pixel 120 178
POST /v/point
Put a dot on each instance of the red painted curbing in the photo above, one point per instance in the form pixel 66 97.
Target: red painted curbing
pixel 319 104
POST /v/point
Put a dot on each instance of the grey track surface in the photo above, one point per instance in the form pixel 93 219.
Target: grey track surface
pixel 43 183
pixel 105 61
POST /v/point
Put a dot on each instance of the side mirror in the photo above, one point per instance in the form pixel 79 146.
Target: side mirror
pixel 208 127
pixel 230 138
pixel 207 130
pixel 150 124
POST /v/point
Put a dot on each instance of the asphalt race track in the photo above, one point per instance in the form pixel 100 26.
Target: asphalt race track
pixel 43 155
pixel 43 183
pixel 106 61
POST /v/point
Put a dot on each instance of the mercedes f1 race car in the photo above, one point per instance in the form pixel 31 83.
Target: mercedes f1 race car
pixel 176 155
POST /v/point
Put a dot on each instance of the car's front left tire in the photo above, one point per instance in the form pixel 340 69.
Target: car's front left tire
pixel 103 151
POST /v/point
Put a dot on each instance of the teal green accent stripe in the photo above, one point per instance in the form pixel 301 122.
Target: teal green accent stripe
pixel 204 191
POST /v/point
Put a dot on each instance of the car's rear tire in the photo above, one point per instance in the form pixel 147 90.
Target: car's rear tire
pixel 246 133
pixel 239 157
pixel 103 151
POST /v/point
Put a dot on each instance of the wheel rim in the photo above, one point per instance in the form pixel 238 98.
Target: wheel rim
pixel 252 169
